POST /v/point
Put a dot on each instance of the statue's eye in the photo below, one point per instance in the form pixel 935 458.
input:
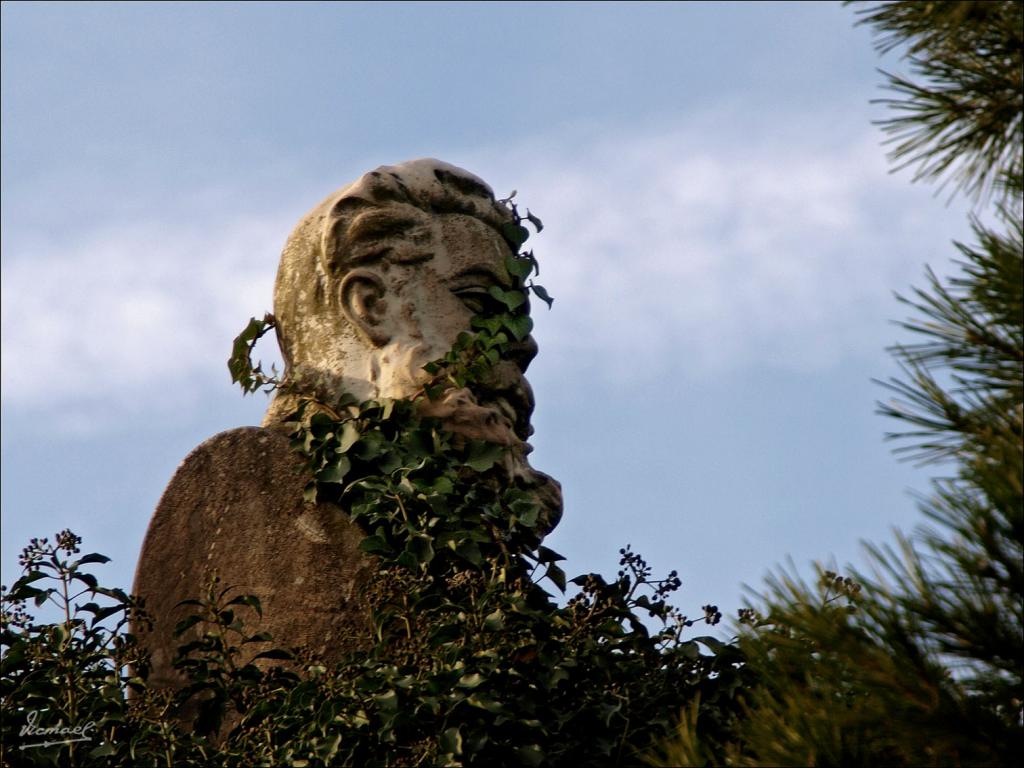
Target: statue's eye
pixel 478 300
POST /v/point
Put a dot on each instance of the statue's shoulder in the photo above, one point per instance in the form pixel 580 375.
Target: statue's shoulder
pixel 235 509
pixel 241 463
pixel 237 489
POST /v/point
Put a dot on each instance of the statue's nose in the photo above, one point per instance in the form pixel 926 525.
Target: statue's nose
pixel 523 352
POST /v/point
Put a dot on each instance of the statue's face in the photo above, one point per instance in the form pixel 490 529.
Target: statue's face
pixel 425 308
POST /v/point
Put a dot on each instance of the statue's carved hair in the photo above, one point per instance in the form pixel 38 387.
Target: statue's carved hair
pixel 393 205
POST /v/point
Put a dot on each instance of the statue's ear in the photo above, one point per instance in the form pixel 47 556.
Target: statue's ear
pixel 362 295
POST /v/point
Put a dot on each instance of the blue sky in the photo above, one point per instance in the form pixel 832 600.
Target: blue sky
pixel 722 238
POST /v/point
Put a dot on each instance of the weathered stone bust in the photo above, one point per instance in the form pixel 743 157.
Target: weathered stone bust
pixel 376 281
pixel 380 278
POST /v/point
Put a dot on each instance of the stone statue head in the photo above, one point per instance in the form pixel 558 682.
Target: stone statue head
pixel 380 278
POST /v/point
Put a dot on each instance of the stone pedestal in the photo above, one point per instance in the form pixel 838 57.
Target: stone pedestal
pixel 235 509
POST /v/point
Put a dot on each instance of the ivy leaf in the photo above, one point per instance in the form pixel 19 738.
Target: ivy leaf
pixel 444 634
pixel 103 750
pixel 519 326
pixel 530 755
pixel 92 557
pixel 442 486
pixel 185 624
pixel 451 742
pixel 713 643
pixel 518 267
pixel 375 545
pixel 250 600
pixel 99 614
pixel 259 637
pixel 528 517
pixel 545 555
pixel 86 578
pixel 511 299
pixel 485 702
pixel 469 550
pixel 489 324
pixel 387 700
pixel 275 653
pixel 329 748
pixel 534 220
pixel 534 264
pixel 349 436
pixel 321 425
pixel 516 234
pixel 309 492
pixel 28 578
pixel 557 576
pixel 542 294
pixel 421 443
pixel 471 680
pixel 690 650
pixel 23 591
pixel 115 593
pixel 421 548
pixel 482 455
pixel 335 472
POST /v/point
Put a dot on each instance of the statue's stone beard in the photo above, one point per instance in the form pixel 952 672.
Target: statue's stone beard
pixel 497 410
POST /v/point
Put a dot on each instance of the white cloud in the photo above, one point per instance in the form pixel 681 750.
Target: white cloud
pixel 141 313
pixel 689 249
pixel 701 251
